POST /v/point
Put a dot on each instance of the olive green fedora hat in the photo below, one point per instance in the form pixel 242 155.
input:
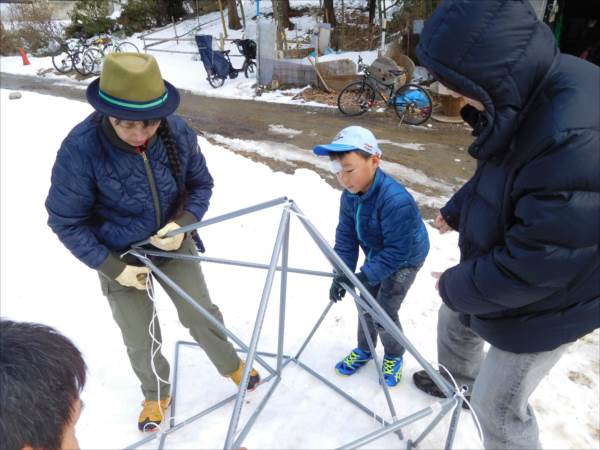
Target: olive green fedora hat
pixel 131 87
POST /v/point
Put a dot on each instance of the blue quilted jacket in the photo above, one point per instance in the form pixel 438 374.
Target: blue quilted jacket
pixel 385 222
pixel 100 199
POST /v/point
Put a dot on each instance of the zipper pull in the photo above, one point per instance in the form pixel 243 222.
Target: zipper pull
pixel 142 148
pixel 142 151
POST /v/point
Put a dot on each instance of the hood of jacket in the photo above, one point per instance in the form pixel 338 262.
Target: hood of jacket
pixel 493 51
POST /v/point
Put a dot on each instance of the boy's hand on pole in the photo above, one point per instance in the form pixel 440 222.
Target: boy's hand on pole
pixel 167 243
pixel 337 292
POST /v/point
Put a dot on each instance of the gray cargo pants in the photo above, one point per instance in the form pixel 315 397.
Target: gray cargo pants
pixel 501 382
pixel 132 310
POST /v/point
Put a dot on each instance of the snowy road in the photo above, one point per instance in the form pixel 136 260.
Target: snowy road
pixel 431 161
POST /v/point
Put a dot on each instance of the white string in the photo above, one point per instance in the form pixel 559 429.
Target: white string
pixel 154 351
pixel 157 428
pixel 461 394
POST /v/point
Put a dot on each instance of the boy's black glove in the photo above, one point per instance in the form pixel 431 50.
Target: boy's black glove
pixel 336 291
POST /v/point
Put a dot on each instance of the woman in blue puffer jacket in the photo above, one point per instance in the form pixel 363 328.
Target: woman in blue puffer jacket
pixel 129 172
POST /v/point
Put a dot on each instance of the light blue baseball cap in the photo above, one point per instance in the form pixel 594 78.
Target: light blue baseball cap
pixel 351 138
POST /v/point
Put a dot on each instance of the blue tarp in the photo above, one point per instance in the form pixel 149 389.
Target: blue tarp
pixel 213 60
pixel 416 96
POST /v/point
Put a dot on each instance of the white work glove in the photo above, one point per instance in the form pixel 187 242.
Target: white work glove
pixel 167 243
pixel 133 276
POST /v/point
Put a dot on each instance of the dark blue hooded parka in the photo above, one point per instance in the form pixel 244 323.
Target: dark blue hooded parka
pixel 529 219
pixel 103 198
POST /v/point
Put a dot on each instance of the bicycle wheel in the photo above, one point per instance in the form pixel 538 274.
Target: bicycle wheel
pixel 412 104
pixel 127 47
pixel 250 69
pixel 109 48
pixel 91 62
pixel 78 62
pixel 356 98
pixel 62 60
pixel 215 81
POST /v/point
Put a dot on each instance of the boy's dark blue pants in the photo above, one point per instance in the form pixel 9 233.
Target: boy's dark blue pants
pixel 390 295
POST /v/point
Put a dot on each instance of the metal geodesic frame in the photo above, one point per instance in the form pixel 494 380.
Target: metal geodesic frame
pixel 365 303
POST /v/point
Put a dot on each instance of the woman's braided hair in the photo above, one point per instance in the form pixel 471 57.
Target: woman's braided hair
pixel 164 132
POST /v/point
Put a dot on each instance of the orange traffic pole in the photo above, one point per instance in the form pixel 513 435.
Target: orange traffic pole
pixel 24 57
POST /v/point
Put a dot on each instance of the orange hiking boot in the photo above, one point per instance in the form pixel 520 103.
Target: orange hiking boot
pixel 152 414
pixel 236 376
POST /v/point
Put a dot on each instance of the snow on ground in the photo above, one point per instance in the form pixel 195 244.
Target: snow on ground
pixel 290 154
pixel 42 282
pixel 186 71
pixel 408 145
pixel 276 128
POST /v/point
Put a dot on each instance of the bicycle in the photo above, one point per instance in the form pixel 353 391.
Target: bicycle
pixel 86 56
pixel 411 102
pixel 69 55
pixel 94 56
pixel 108 44
pixel 247 47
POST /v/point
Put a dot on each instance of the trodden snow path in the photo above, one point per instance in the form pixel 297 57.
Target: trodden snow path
pixel 42 282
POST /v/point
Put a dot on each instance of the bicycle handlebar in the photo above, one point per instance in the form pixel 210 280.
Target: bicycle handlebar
pixel 364 68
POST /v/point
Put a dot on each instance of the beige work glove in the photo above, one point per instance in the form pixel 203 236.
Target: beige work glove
pixel 133 276
pixel 167 243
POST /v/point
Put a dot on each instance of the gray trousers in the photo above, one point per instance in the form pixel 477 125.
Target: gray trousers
pixel 501 382
pixel 389 295
pixel 132 310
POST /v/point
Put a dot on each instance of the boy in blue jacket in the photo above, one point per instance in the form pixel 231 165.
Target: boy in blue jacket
pixel 378 215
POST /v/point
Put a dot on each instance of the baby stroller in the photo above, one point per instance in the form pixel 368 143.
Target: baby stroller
pixel 218 64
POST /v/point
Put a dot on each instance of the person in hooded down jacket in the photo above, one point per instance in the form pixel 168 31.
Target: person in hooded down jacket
pixel 528 281
pixel 129 172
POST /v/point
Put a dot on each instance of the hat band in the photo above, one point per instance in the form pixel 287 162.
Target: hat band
pixel 135 106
